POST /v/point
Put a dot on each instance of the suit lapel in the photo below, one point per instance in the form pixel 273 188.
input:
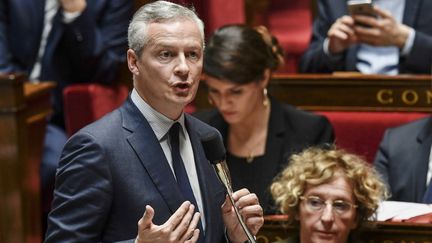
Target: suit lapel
pixel 144 142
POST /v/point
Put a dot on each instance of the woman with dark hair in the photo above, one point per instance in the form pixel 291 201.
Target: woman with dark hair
pixel 260 133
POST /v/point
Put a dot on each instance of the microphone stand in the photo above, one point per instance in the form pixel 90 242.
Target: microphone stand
pixel 222 172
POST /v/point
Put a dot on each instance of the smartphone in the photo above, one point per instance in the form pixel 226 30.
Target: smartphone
pixel 361 7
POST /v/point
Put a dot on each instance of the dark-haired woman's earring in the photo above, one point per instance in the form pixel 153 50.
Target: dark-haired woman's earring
pixel 266 99
pixel 210 101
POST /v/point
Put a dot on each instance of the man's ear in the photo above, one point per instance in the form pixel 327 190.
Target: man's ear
pixel 132 60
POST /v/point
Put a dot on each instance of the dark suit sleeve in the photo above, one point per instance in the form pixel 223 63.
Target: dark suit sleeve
pixel 97 44
pixel 381 162
pixel 417 61
pixel 326 135
pixel 83 193
pixel 314 59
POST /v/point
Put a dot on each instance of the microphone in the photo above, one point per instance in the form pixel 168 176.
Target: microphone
pixel 215 152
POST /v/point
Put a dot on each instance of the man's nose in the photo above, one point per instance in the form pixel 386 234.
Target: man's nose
pixel 182 67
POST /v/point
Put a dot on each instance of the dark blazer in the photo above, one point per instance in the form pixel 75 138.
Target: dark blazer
pixel 89 49
pixel 403 159
pixel 111 169
pixel 289 131
pixel 416 15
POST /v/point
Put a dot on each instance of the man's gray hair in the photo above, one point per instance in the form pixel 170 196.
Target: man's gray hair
pixel 157 12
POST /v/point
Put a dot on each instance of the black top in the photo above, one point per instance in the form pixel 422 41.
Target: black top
pixel 256 175
pixel 289 131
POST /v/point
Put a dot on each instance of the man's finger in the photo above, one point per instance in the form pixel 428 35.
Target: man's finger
pixel 181 228
pixel 178 215
pixel 147 220
pixel 194 237
pixel 227 205
pixel 382 12
pixel 192 227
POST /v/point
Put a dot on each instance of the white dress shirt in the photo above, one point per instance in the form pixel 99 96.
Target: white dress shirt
pixel 161 125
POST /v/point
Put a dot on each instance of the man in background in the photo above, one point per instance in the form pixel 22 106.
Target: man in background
pixel 140 173
pixel 404 160
pixel 65 41
pixel 398 40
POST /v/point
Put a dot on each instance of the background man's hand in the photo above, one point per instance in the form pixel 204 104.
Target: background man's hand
pixel 341 34
pixel 250 210
pixel 382 31
pixel 73 5
pixel 180 227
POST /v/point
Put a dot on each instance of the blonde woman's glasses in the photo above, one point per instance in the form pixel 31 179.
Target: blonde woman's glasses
pixel 316 204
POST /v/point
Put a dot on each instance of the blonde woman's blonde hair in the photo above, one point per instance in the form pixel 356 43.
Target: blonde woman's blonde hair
pixel 316 166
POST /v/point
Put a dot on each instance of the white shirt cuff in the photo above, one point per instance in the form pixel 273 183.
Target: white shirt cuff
pixel 409 43
pixel 326 47
pixel 69 17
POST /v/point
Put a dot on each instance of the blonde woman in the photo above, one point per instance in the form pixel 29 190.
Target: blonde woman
pixel 328 193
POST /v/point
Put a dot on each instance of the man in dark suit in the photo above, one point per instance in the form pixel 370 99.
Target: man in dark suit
pixel 65 41
pixel 122 169
pixel 393 43
pixel 404 161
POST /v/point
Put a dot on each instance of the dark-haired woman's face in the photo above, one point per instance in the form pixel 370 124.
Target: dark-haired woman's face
pixel 235 102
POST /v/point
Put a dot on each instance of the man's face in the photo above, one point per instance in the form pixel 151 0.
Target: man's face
pixel 327 225
pixel 168 71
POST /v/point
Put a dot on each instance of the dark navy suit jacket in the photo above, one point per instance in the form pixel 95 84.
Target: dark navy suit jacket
pixel 403 159
pixel 417 15
pixel 89 49
pixel 111 169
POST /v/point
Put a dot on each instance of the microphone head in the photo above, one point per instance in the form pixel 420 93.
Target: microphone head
pixel 214 148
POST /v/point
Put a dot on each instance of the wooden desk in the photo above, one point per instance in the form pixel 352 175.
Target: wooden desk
pixel 275 228
pixel 23 111
pixel 348 92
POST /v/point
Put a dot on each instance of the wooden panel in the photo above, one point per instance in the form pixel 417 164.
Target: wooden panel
pixel 350 92
pixel 23 110
pixel 276 228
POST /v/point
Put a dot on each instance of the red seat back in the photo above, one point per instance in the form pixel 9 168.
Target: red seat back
pixel 291 23
pixel 85 103
pixel 216 13
pixel 361 132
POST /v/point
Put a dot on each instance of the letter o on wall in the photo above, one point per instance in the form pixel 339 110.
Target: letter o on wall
pixel 410 97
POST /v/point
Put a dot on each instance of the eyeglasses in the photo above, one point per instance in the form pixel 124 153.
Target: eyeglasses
pixel 316 204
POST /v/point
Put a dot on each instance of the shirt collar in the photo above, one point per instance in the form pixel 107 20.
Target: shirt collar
pixel 158 122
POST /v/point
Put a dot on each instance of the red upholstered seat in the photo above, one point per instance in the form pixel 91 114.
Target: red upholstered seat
pixel 216 13
pixel 291 23
pixel 85 103
pixel 361 132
